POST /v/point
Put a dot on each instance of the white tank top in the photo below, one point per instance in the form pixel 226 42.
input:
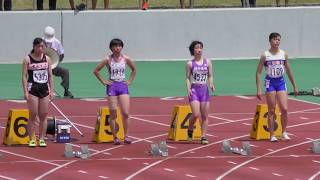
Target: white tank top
pixel 117 70
pixel 274 64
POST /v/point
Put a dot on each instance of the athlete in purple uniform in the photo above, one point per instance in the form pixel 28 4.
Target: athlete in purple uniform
pixel 117 85
pixel 198 75
pixel 276 63
pixel 37 84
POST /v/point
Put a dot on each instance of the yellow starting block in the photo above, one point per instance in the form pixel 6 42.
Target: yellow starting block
pixel 179 124
pixel 16 129
pixel 103 131
pixel 260 129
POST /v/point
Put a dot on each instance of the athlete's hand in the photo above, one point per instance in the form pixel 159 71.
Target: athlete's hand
pixel 26 95
pixel 107 82
pixel 51 95
pixel 295 91
pixel 189 93
pixel 128 82
pixel 259 96
pixel 212 88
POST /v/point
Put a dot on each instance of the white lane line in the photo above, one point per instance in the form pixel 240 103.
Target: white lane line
pixel 99 152
pixel 267 154
pixel 254 145
pixel 277 174
pixel 94 99
pixel 310 139
pixel 308 102
pixel 211 157
pixel 83 172
pixel 271 150
pixel 17 101
pixel 245 97
pixel 224 119
pixel 247 124
pixel 314 176
pixel 316 161
pixel 304 118
pixel 6 177
pixel 293 155
pixel 148 121
pixel 222 123
pixel 28 157
pixel 231 162
pixel 254 168
pixel 172 98
pixel 211 135
pixel 167 169
pixel 178 154
pixel 146 164
pixel 103 177
pixel 259 157
pixel 189 175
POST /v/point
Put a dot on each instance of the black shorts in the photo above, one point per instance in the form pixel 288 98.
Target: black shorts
pixel 38 90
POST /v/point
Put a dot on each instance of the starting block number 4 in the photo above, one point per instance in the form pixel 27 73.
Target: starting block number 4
pixel 16 129
pixel 260 129
pixel 103 131
pixel 179 124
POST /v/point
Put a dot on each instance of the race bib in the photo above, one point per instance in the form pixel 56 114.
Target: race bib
pixel 118 74
pixel 276 71
pixel 40 76
pixel 200 78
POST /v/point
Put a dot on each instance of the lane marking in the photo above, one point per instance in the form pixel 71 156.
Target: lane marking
pixel 17 101
pixel 316 161
pixel 6 177
pixel 293 155
pixel 103 177
pixel 254 168
pixel 304 118
pixel 308 102
pixel 148 121
pixel 167 169
pixel 94 99
pixel 247 124
pixel 28 157
pixel 172 98
pixel 231 162
pixel 189 175
pixel 314 176
pixel 277 174
pixel 245 97
pixel 99 152
pixel 83 172
pixel 224 119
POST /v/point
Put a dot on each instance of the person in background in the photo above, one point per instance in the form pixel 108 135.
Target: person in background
pixel 52 42
pixel 286 3
pixel 182 5
pixel 7 5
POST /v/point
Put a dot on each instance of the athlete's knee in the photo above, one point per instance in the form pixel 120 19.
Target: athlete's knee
pixel 284 111
pixel 43 115
pixel 113 114
pixel 125 115
pixel 196 116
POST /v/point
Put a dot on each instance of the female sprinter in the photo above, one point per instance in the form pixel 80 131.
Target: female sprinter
pixel 276 63
pixel 37 84
pixel 198 75
pixel 117 86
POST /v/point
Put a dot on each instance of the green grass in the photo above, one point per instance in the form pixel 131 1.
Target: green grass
pixel 133 4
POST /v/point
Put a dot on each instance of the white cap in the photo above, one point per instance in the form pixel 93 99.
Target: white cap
pixel 49 34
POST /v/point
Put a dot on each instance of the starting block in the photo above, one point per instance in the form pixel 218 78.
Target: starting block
pixel 260 129
pixel 316 147
pixel 83 153
pixel 103 131
pixel 178 130
pixel 68 151
pixel 245 150
pixel 160 149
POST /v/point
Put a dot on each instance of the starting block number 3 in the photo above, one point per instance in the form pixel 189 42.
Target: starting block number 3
pixel 16 130
pixel 180 122
pixel 103 131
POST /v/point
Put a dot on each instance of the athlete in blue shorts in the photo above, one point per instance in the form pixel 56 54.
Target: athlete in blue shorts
pixel 198 76
pixel 276 64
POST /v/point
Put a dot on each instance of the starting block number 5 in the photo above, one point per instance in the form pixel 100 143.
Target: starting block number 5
pixel 16 130
pixel 103 131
